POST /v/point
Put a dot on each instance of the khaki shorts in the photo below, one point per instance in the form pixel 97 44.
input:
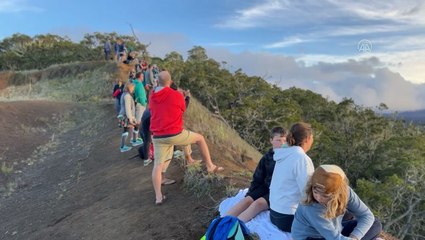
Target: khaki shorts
pixel 163 147
pixel 139 112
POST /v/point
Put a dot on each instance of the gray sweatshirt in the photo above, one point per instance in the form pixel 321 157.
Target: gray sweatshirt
pixel 128 108
pixel 308 221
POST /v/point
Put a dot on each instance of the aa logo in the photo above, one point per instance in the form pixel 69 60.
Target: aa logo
pixel 364 46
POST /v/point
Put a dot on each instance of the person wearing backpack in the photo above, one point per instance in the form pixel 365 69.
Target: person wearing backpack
pixel 127 118
pixel 116 93
pixel 292 169
pixel 257 197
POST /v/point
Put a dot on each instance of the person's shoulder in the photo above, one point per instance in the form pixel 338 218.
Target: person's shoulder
pixel 269 154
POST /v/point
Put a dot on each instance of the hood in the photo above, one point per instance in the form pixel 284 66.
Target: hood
pixel 159 97
pixel 280 154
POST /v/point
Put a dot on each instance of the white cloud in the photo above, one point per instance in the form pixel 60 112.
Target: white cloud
pixel 14 6
pixel 331 12
pixel 409 63
pixel 368 80
pixel 247 18
pixel 163 43
pixel 395 11
pixel 288 42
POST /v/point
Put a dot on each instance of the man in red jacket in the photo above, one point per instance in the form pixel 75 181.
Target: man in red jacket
pixel 167 107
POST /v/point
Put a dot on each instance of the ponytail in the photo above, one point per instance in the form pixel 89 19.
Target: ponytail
pixel 298 133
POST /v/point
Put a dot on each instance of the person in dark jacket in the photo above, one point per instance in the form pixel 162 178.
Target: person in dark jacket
pixel 116 93
pixel 107 49
pixel 257 197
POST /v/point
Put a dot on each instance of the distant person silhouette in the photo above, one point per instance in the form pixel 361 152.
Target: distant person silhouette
pixel 107 49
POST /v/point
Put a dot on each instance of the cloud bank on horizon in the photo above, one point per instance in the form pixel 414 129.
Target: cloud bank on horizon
pixel 307 44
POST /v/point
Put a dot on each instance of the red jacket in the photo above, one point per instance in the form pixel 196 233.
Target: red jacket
pixel 167 107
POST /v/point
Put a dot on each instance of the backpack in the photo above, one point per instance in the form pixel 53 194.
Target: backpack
pixel 228 227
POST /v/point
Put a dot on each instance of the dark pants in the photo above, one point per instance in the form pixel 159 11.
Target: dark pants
pixel 282 221
pixel 372 233
pixel 107 55
pixel 348 228
pixel 146 136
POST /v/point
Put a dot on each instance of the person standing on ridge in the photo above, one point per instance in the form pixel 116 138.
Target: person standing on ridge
pixel 107 49
pixel 167 107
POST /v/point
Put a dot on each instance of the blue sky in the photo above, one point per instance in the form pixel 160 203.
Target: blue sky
pixel 310 44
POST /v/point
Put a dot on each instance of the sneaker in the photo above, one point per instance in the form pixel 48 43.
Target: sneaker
pixel 137 142
pixel 125 148
pixel 146 162
pixel 178 154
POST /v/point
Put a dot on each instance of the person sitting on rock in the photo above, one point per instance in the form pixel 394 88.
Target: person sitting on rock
pixel 328 197
pixel 257 197
pixel 292 169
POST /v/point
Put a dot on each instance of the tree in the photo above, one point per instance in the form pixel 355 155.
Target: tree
pixel 197 54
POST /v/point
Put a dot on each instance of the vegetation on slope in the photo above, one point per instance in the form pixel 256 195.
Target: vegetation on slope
pixel 384 158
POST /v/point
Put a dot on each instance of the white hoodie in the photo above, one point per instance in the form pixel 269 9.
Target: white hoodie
pixel 291 172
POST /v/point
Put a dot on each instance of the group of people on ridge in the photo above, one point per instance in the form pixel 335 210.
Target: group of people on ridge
pixel 150 109
pixel 309 203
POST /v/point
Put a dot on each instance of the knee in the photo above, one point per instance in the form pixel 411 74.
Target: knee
pixel 199 138
pixel 260 204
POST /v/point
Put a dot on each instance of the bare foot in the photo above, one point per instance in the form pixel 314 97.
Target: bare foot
pixel 215 169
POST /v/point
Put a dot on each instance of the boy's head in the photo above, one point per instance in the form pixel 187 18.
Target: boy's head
pixel 277 137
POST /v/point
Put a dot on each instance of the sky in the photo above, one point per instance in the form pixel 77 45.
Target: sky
pixel 371 51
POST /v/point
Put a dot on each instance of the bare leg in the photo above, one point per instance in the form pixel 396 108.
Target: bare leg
pixel 188 154
pixel 254 209
pixel 205 152
pixel 156 180
pixel 240 206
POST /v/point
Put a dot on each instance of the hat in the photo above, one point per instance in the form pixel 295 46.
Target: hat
pixel 328 178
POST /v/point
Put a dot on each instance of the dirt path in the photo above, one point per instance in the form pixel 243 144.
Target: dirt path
pixel 84 188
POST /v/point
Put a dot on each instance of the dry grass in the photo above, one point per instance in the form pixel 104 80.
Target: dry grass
pixel 79 82
pixel 201 120
pixel 199 183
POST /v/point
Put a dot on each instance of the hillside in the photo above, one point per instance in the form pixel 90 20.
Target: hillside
pixel 62 176
pixel 417 117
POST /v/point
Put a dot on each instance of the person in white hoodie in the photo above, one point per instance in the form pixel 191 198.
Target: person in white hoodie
pixel 292 169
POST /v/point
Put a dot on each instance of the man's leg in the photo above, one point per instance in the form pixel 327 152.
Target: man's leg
pixel 164 180
pixel 187 149
pixel 205 152
pixel 156 180
pixel 163 154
